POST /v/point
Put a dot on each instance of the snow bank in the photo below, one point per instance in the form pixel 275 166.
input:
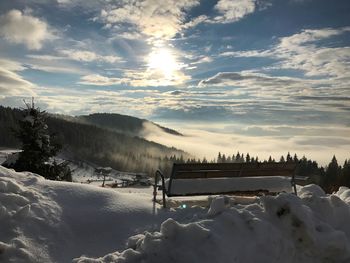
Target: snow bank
pixel 47 221
pixel 24 215
pixel 311 229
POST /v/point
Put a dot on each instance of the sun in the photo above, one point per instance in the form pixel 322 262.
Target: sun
pixel 163 61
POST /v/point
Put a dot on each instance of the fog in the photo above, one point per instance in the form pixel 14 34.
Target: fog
pixel 206 140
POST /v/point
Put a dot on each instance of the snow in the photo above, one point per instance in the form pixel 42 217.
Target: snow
pixel 47 221
pixel 217 185
pixel 9 156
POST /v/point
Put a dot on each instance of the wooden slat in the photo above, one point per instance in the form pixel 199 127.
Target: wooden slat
pixel 231 166
pixel 238 193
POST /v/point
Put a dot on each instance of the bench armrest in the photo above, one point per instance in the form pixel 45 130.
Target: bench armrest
pixel 157 175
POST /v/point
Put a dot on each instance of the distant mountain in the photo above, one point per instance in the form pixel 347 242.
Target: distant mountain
pixel 121 123
pixel 117 146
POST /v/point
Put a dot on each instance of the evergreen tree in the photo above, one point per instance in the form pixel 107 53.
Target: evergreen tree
pixel 295 158
pixel 331 179
pixel 38 146
pixel 223 158
pixel 247 158
pixel 219 159
pixel 233 158
pixel 238 157
pixel 345 174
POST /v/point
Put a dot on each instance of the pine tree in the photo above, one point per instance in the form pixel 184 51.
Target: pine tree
pixel 295 158
pixel 223 158
pixel 38 146
pixel 331 179
pixel 233 158
pixel 247 158
pixel 35 139
pixel 219 160
pixel 346 173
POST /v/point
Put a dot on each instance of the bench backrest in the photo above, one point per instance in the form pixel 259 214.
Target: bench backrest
pixel 220 170
pixel 215 170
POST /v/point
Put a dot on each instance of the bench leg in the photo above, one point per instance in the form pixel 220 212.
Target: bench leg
pixel 155 191
pixel 164 201
pixel 159 173
pixel 295 189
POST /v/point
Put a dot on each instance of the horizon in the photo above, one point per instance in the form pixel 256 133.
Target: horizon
pixel 197 145
pixel 265 77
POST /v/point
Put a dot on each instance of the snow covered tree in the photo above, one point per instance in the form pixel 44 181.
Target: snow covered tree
pixel 38 146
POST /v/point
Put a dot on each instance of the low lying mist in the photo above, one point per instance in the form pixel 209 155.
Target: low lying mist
pixel 206 140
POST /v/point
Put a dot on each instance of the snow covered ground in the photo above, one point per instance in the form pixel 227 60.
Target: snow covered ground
pixel 47 221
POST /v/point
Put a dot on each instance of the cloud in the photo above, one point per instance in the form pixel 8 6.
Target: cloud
pixel 306 52
pixel 137 78
pixel 88 56
pixel 202 59
pixel 324 70
pixel 12 84
pixel 99 80
pixel 233 10
pixel 11 65
pixel 21 28
pixel 249 53
pixel 245 79
pixel 155 19
pixel 196 21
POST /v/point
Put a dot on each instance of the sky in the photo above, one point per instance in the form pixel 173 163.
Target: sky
pixel 258 76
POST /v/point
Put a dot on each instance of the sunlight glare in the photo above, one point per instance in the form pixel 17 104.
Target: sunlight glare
pixel 163 60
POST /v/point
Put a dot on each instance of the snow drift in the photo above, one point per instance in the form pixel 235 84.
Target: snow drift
pixel 48 221
pixel 45 221
pixel 312 228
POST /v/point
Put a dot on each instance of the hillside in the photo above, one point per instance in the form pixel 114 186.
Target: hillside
pixel 105 147
pixel 121 123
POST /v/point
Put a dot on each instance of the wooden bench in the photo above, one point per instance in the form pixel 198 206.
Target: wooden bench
pixel 224 178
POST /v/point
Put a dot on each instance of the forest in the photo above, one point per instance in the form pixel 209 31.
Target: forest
pixel 88 142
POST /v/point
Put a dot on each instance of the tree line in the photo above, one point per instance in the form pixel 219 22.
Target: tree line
pixel 329 177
